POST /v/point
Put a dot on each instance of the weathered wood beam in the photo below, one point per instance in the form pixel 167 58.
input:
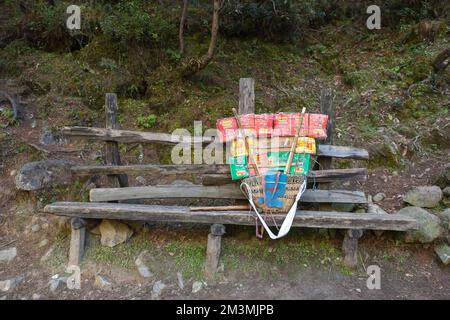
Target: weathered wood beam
pixel 211 174
pixel 126 136
pixel 230 191
pixel 311 219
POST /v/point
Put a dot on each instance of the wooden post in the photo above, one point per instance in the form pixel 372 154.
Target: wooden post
pixel 325 163
pixel 77 240
pixel 213 251
pixel 246 95
pixel 350 247
pixel 112 147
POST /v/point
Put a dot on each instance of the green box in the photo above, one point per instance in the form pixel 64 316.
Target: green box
pixel 239 167
pixel 300 162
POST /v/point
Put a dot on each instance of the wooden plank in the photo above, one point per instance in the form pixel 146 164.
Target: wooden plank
pixel 112 147
pixel 312 219
pixel 126 136
pixel 230 191
pixel 212 174
pixel 170 169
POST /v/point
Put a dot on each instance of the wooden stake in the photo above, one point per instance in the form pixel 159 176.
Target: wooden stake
pixel 294 144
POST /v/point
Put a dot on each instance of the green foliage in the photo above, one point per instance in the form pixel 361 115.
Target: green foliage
pixel 129 23
pixel 146 122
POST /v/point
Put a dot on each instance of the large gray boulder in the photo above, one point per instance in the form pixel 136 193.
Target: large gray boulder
pixel 429 225
pixel 114 232
pixel 424 197
pixel 42 174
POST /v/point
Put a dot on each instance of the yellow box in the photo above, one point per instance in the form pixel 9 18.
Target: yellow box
pixel 306 145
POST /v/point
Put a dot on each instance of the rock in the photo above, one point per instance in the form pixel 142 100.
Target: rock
pixel 10 284
pixel 424 197
pixel 180 280
pixel 35 227
pixel 157 289
pixel 43 243
pixel 197 286
pixel 446 191
pixel 142 268
pixel 95 230
pixel 445 218
pixel 35 296
pixel 114 232
pixel 141 180
pixel 344 207
pixel 55 281
pixel 374 208
pixel 443 179
pixel 42 174
pixel 443 252
pixel 429 225
pixel 8 255
pixel 379 197
pixel 48 137
pixel 102 283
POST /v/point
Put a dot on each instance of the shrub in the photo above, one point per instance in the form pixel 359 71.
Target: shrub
pixel 129 23
pixel 146 122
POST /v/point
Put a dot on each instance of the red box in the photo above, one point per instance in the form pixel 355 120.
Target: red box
pixel 227 129
pixel 317 126
pixel 248 124
pixel 264 124
pixel 285 124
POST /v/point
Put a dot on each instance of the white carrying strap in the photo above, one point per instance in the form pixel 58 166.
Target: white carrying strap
pixel 287 223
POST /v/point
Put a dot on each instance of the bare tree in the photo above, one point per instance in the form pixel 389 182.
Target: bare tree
pixel 192 65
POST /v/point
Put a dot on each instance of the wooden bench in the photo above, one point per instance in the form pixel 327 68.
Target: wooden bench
pixel 215 184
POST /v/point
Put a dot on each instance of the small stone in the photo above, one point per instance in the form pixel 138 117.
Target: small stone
pixel 197 286
pixel 180 280
pixel 358 290
pixel 13 173
pixel 55 282
pixel 8 255
pixel 142 268
pixel 443 252
pixel 141 180
pixel 33 124
pixel 379 197
pixel 424 197
pixel 35 296
pixel 102 282
pixel 43 243
pixel 10 284
pixel 35 227
pixel 114 232
pixel 157 289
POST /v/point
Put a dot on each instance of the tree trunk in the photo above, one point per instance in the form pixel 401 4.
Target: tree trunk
pixel 181 31
pixel 194 65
